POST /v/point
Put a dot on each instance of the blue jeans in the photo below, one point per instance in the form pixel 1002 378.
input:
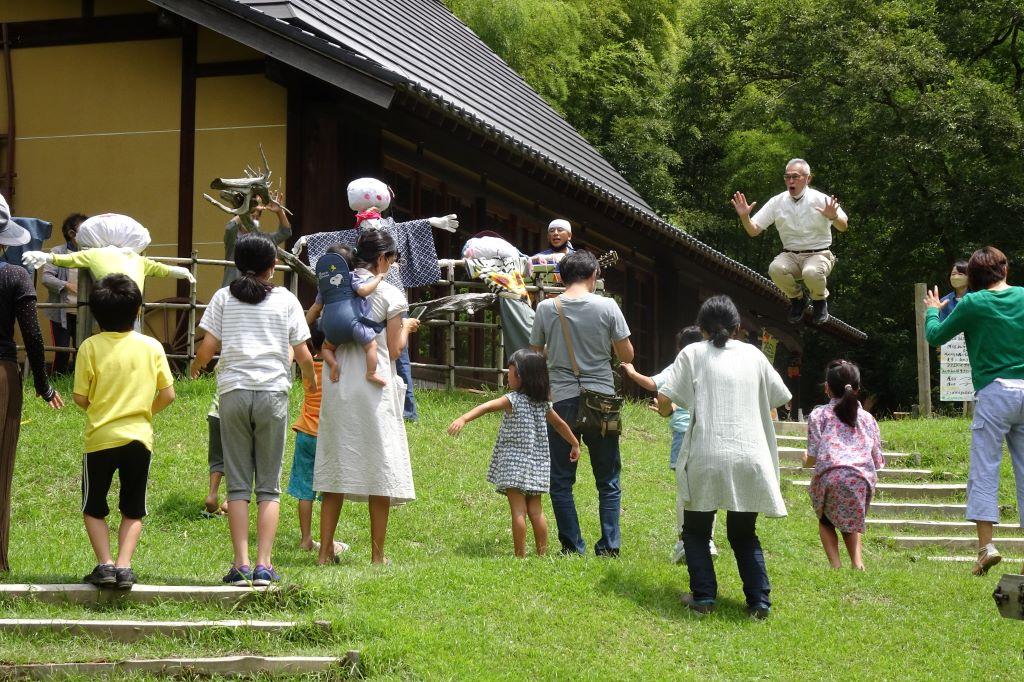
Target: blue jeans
pixel 746 546
pixel 404 369
pixel 607 466
pixel 677 444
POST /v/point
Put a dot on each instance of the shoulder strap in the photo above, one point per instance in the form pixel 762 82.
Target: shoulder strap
pixel 567 336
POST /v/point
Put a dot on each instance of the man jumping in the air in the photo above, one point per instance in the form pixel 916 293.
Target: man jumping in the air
pixel 803 216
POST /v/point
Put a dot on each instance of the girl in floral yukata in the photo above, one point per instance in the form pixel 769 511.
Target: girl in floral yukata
pixel 844 447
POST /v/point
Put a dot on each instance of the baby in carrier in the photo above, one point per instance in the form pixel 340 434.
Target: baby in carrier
pixel 346 309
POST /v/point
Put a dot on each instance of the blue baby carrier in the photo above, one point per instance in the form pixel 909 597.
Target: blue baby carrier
pixel 342 308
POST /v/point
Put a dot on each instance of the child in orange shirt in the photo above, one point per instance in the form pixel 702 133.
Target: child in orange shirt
pixel 300 479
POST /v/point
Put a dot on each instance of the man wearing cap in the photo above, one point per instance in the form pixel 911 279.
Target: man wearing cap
pixel 804 218
pixel 17 303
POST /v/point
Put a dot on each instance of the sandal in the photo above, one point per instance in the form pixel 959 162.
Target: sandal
pixel 988 556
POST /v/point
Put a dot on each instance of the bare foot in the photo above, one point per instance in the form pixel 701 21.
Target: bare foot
pixel 383 561
pixel 308 545
pixel 374 379
pixel 858 567
pixel 224 506
pixel 211 504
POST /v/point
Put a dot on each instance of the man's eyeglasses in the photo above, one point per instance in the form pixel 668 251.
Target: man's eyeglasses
pixel 794 176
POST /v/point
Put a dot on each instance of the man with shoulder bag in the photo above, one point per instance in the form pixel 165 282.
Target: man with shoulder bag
pixel 577 332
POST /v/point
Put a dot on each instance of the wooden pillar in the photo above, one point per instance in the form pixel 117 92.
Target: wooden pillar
pixel 187 146
pixel 924 374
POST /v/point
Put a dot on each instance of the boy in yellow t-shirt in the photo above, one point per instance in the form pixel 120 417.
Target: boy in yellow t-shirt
pixel 117 373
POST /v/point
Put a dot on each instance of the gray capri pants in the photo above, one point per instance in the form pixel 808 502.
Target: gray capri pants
pixel 214 451
pixel 998 414
pixel 253 428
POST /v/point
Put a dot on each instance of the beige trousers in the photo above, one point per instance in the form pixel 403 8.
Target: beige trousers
pixel 812 268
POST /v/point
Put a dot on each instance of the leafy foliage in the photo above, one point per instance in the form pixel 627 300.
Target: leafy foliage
pixel 910 111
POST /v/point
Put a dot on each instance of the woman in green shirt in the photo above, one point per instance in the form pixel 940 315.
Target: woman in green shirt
pixel 991 318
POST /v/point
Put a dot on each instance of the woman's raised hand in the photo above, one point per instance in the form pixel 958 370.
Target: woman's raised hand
pixel 932 300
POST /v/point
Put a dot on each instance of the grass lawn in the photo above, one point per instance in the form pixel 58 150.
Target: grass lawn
pixel 455 604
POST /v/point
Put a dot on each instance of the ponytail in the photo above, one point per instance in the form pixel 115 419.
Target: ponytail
pixel 718 317
pixel 255 253
pixel 843 380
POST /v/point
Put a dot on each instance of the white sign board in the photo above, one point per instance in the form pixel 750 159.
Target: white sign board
pixel 955 371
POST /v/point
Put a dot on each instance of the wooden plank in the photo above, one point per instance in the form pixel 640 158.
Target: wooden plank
pixel 790 454
pixel 187 147
pixel 87 30
pixel 924 375
pixel 80 593
pixel 928 525
pixel 230 666
pixel 904 491
pixel 951 542
pixel 910 509
pixel 131 630
pixel 791 428
pixel 887 474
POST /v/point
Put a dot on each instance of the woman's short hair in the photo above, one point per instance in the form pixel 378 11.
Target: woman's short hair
pixel 960 266
pixel 718 317
pixel 986 267
pixel 71 223
pixel 577 267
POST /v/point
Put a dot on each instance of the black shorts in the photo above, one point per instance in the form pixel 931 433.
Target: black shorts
pixel 131 462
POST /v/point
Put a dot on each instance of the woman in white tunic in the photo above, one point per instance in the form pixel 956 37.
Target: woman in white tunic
pixel 362 453
pixel 728 459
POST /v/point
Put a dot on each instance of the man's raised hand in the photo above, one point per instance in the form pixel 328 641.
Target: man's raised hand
pixel 739 202
pixel 831 208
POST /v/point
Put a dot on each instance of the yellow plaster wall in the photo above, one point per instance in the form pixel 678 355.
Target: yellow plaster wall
pixel 234 114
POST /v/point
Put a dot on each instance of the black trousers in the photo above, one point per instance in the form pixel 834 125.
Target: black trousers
pixel 745 545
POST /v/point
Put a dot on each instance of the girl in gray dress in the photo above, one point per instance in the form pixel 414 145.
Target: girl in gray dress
pixel 521 463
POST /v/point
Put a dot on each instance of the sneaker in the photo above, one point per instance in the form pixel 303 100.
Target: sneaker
pixel 125 578
pixel 713 549
pixel 239 577
pixel 264 575
pixel 797 306
pixel 679 553
pixel 102 576
pixel 820 314
pixel 988 557
pixel 699 606
pixel 759 612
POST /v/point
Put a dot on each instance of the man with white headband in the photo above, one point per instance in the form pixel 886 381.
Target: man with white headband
pixel 559 246
pixel 804 218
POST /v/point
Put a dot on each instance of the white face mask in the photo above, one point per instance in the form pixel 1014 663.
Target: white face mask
pixel 958 281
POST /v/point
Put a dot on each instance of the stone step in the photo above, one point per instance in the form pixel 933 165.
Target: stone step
pixel 81 593
pixel 906 491
pixel 792 454
pixel 131 630
pixel 951 542
pixel 228 666
pixel 884 474
pixel 791 428
pixel 914 509
pixel 935 527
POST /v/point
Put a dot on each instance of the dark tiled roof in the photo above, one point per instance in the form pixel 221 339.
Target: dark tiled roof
pixel 430 48
pixel 437 59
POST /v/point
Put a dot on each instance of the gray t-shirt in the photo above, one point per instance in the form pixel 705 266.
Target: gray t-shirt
pixel 595 322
